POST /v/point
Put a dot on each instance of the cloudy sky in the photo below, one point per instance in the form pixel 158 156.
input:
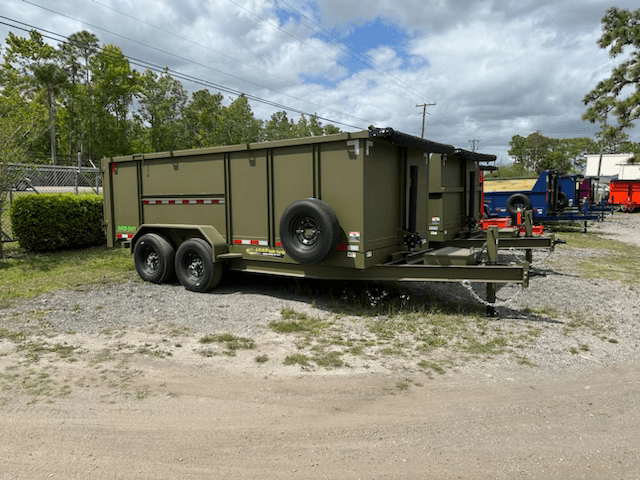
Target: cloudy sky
pixel 493 69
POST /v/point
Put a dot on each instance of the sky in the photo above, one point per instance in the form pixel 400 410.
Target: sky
pixel 493 69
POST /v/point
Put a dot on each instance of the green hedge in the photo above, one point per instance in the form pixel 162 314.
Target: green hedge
pixel 57 222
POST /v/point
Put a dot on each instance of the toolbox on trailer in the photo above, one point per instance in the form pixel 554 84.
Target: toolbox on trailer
pixel 350 206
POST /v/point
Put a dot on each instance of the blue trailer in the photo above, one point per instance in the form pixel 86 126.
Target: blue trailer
pixel 553 198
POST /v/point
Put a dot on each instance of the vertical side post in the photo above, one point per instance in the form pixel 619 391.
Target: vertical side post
pixel 77 179
pixel 528 229
pixel 492 254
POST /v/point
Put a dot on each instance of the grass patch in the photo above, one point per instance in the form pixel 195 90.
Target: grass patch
pixel 231 342
pixel 296 322
pixel 297 359
pixel 24 275
pixel 611 260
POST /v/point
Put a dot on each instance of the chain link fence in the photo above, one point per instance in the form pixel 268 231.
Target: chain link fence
pixel 39 179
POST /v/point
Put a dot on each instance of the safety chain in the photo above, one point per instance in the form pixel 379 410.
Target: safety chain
pixel 467 284
pixel 537 262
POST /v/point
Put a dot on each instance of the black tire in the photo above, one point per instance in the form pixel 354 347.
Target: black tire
pixel 309 230
pixel 563 200
pixel 195 266
pixel 153 256
pixel 518 202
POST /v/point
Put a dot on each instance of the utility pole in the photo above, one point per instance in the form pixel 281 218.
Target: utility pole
pixel 424 113
pixel 474 143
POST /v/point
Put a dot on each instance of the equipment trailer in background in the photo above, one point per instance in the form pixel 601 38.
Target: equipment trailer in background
pixel 554 198
pixel 369 205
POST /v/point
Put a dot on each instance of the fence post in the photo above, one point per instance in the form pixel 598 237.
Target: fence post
pixel 78 171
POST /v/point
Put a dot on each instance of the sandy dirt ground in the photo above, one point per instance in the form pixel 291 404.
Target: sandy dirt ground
pixel 187 420
pixel 129 403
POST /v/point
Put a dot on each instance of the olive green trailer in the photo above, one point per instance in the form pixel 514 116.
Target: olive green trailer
pixel 351 206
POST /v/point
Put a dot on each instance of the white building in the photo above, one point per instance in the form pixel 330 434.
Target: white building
pixel 613 166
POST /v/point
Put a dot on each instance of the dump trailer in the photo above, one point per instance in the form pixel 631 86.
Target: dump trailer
pixel 350 206
pixel 625 194
pixel 553 198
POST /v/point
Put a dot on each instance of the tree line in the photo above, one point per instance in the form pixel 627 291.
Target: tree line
pixel 85 97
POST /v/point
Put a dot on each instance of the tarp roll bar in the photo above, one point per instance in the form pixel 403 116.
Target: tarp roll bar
pixel 428 146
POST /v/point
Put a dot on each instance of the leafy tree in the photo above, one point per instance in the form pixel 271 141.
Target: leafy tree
pixel 21 124
pixel 113 87
pixel 620 29
pixel 33 67
pixel 162 100
pixel 76 54
pixel 239 123
pixel 202 121
pixel 537 153
pixel 280 127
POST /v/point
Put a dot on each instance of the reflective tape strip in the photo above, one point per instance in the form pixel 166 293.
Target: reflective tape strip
pixel 348 248
pixel 184 201
pixel 124 235
pixel 262 243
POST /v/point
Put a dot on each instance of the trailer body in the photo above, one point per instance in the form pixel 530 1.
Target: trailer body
pixel 625 194
pixel 347 206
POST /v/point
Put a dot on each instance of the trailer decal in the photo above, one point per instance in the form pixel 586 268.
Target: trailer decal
pixel 184 201
pixel 266 252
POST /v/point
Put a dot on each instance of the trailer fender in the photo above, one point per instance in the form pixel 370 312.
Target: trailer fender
pixel 178 234
pixel 518 202
pixel 309 230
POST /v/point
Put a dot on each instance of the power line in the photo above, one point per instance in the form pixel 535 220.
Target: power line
pixel 362 59
pixel 212 50
pixel 205 66
pixel 187 77
pixel 309 46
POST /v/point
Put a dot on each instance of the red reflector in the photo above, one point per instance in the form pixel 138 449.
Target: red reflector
pixel 342 247
pixel 185 201
pixel 172 202
pixel 255 242
pixel 158 202
pixel 146 202
pixel 200 202
pixel 278 244
pixel 237 242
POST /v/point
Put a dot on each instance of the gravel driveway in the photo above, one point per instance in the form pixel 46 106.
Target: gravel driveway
pixel 606 313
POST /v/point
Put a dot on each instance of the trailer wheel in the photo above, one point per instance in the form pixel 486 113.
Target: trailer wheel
pixel 195 266
pixel 563 200
pixel 309 230
pixel 518 202
pixel 153 256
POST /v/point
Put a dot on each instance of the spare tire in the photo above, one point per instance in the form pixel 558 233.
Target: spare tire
pixel 309 230
pixel 518 202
